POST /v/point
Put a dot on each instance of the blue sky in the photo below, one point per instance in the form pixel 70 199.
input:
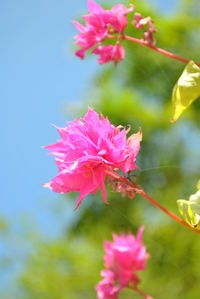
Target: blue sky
pixel 39 77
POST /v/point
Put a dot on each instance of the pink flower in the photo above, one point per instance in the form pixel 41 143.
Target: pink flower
pixel 98 24
pixel 125 256
pixel 106 288
pixel 110 53
pixel 87 149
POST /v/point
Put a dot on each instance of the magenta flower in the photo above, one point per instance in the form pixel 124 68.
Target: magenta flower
pixel 125 256
pixel 110 53
pixel 106 288
pixel 87 149
pixel 99 23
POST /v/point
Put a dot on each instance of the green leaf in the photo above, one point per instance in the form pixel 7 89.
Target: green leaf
pixel 186 90
pixel 190 209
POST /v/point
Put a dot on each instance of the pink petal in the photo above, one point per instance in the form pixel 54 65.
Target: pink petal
pixel 93 7
pixel 78 26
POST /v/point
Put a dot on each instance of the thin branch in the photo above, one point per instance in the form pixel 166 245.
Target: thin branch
pixel 169 213
pixel 158 50
pixel 141 293
pixel 139 190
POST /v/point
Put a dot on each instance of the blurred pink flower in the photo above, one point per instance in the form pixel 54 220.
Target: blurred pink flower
pixel 110 53
pixel 124 257
pixel 98 24
pixel 87 148
pixel 106 288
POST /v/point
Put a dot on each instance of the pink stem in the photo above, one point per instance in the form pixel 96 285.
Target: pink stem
pixel 141 293
pixel 158 50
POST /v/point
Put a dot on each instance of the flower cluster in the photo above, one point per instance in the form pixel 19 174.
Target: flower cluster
pixel 124 257
pixel 99 23
pixel 89 148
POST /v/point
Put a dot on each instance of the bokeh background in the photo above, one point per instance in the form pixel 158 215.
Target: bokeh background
pixel 47 250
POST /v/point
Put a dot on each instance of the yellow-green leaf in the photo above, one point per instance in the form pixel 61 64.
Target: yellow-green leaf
pixel 190 209
pixel 198 185
pixel 186 90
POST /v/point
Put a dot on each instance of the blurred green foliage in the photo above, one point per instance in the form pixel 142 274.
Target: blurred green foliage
pixel 136 93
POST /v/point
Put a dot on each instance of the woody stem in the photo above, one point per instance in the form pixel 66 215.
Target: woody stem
pixel 140 191
pixel 169 213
